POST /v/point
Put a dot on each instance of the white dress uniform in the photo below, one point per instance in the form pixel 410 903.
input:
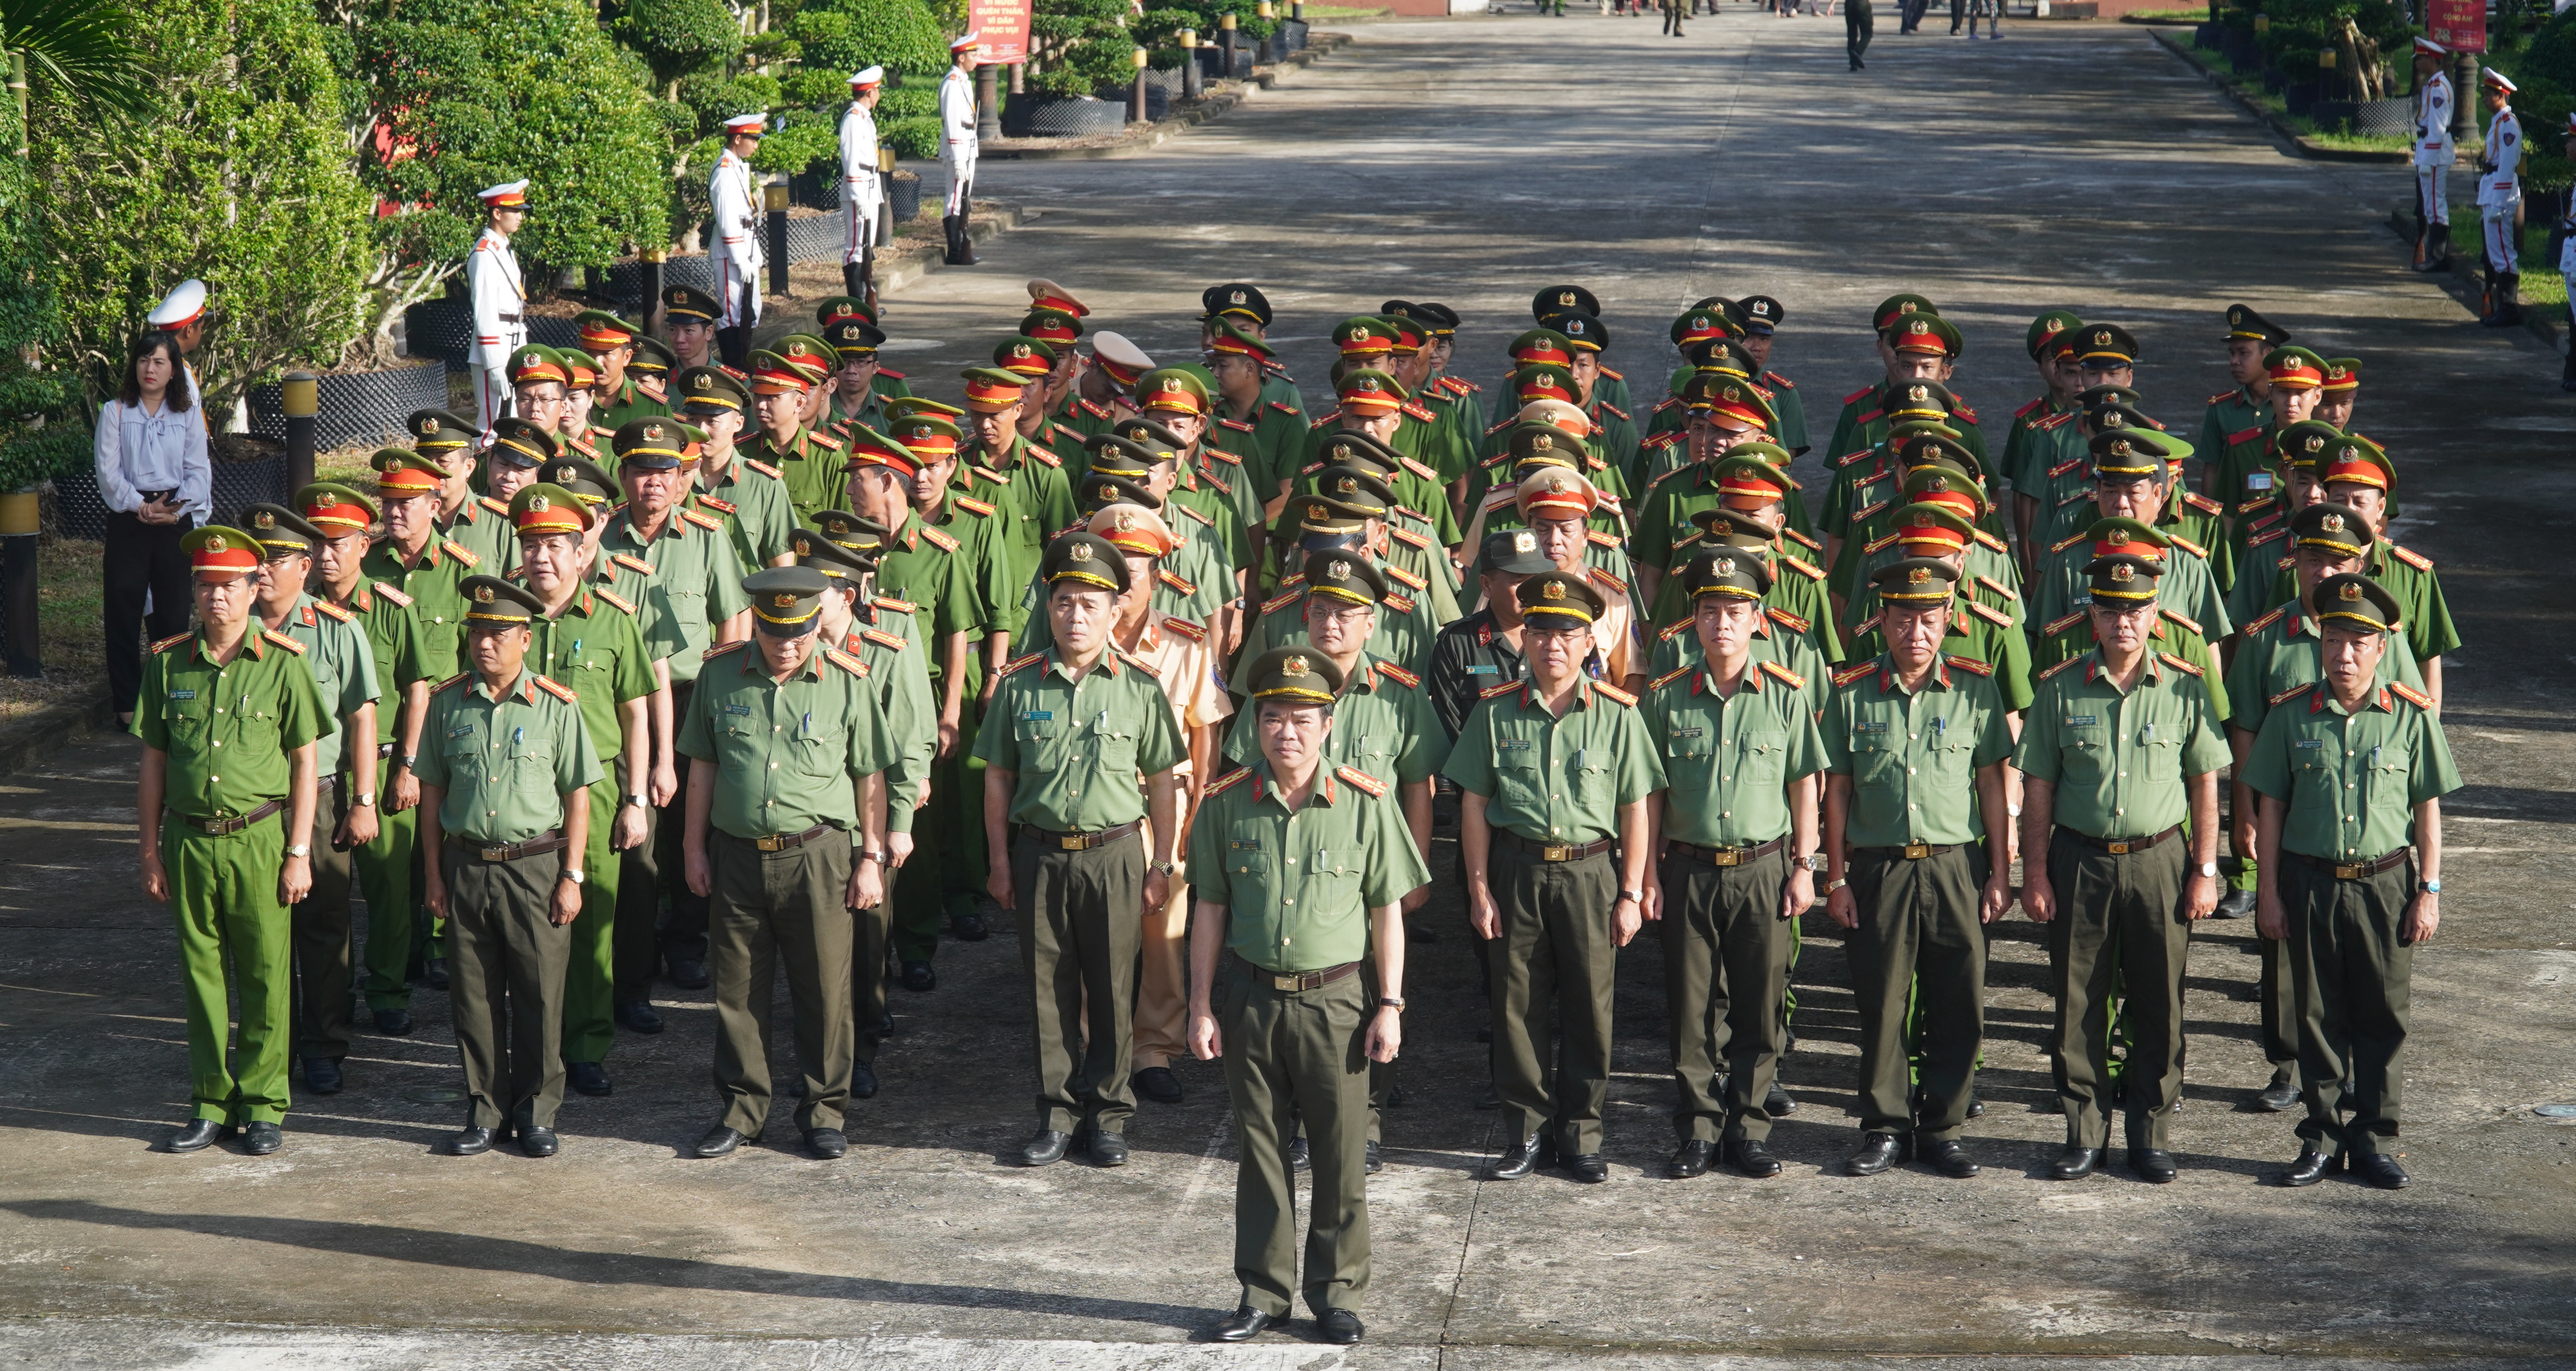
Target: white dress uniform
pixel 737 252
pixel 177 310
pixel 957 136
pixel 500 323
pixel 2433 149
pixel 862 192
pixel 2500 191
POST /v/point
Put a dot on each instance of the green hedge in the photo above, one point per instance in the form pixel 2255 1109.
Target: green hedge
pixel 57 450
pixel 915 139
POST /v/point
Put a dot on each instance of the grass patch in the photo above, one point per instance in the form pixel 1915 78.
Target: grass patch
pixel 2358 142
pixel 2249 85
pixel 2195 14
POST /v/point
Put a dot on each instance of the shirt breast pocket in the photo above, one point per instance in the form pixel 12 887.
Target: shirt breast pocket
pixel 1518 781
pixel 1116 748
pixel 2385 770
pixel 1877 762
pixel 1334 875
pixel 1764 759
pixel 2086 755
pixel 531 764
pixel 187 713
pixel 817 754
pixel 1689 751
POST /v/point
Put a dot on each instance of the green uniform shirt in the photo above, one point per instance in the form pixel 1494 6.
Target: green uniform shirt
pixel 810 464
pixel 1078 747
pixel 2070 636
pixel 595 645
pixel 2014 465
pixel 505 763
pixel 1383 725
pixel 1035 499
pixel 1978 632
pixel 2405 574
pixel 227 729
pixel 2118 758
pixel 1299 883
pixel 1556 780
pixel 394 643
pixel 1188 584
pixel 2283 651
pixel 344 672
pixel 1913 757
pixel 481 526
pixel 1730 758
pixel 2351 781
pixel 1774 640
pixel 985 529
pixel 899 676
pixel 2187 588
pixel 2235 420
pixel 1403 635
pixel 788 754
pixel 430 588
pixel 690 565
pixel 840 418
pixel 1222 472
pixel 628 402
pixel 946 583
pixel 752 501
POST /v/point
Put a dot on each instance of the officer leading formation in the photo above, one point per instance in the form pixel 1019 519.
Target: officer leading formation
pixel 693 660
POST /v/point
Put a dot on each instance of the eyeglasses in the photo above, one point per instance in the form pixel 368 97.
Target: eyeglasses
pixel 1351 615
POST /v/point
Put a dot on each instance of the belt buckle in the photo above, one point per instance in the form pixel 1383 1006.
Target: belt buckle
pixel 1915 852
pixel 1726 856
pixel 496 854
pixel 771 843
pixel 1557 853
pixel 2118 849
pixel 1285 985
pixel 1072 842
pixel 2351 871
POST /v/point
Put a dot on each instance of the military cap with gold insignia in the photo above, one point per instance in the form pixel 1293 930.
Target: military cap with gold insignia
pixel 1227 337
pixel 534 363
pixel 1346 575
pixel 1541 345
pixel 1762 315
pixel 1347 448
pixel 772 374
pixel 1099 491
pixel 2342 374
pixel 652 443
pixel 2356 602
pixel 1915 581
pixel 653 357
pixel 1023 356
pixel 2105 396
pixel 521 443
pixel 1896 307
pixel 869 448
pixel 1731 573
pixel 1930 529
pixel 1364 336
pixel 1545 381
pixel 1369 391
pixel 1584 332
pixel 2243 322
pixel 602 331
pixel 1131 528
pixel 1563 299
pixel 2353 459
pixel 580 373
pixel 811 355
pixel 1363 490
pixel 1437 317
pixel 1954 490
pixel 1557 599
pixel 280 531
pixel 928 438
pixel 1545 443
pixel 543 509
pixel 2337 528
pixel 904 406
pixel 1923 399
pixel 587 480
pixel 1742 476
pixel 1924 333
pixel 1046 294
pixel 1724 527
pixel 336 510
pixel 1115 454
pixel 2304 443
pixel 708 391
pixel 1927 449
pixel 1723 355
pixel 841 309
pixel 1729 402
pixel 2105 418
pixel 786 601
pixel 2047 326
pixel 1555 492
pixel 1238 298
pixel 1513 552
pixel 2294 368
pixel 1556 413
pixel 1084 560
pixel 1313 514
pixel 1300 674
pixel 1173 390
pixel 1050 326
pixel 401 473
pixel 2105 347
pixel 218 553
pixel 852 339
pixel 491 602
pixel 856 532
pixel 1409 336
pixel 1694 326
pixel 828 556
pixel 2115 536
pixel 437 430
pixel 2135 452
pixel 2123 579
pixel 990 390
pixel 689 302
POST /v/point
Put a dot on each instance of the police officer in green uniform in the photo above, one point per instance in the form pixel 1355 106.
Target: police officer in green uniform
pixel 2120 756
pixel 748 495
pixel 2351 775
pixel 1918 846
pixel 778 437
pixel 474 521
pixel 786 733
pixel 503 819
pixel 2237 414
pixel 1740 752
pixel 1483 650
pixel 611 343
pixel 230 701
pixel 1066 737
pixel 1300 866
pixel 1556 772
pixel 344 814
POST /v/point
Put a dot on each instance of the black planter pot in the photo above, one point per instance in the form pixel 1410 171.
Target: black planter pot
pixel 903 195
pixel 2333 115
pixel 2299 97
pixel 1293 34
pixel 1061 116
pixel 358 408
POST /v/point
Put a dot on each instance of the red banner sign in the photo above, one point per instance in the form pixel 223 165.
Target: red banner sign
pixel 2459 25
pixel 1004 27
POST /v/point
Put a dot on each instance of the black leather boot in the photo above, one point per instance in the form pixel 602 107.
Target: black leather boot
pixel 854 279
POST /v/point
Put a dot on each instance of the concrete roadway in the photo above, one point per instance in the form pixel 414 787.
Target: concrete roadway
pixel 1470 162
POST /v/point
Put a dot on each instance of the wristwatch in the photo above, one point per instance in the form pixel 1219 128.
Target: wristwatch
pixel 1168 868
pixel 409 763
pixel 364 800
pixel 1813 861
pixel 1835 884
pixel 635 800
pixel 574 876
pixel 299 850
pixel 1637 895
pixel 1394 1002
pixel 2209 869
pixel 871 855
pixel 2429 887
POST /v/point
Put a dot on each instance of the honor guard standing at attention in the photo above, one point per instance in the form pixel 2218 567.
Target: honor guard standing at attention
pixel 1918 850
pixel 228 716
pixel 783 733
pixel 499 301
pixel 503 824
pixel 2120 755
pixel 739 248
pixel 2433 156
pixel 1740 754
pixel 2351 774
pixel 1078 746
pixel 344 813
pixel 2500 199
pixel 957 146
pixel 862 192
pixel 1299 867
pixel 1556 771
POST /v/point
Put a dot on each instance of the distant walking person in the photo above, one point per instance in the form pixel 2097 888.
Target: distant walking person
pixel 1857 27
pixel 1909 15
pixel 2500 201
pixel 152 472
pixel 957 118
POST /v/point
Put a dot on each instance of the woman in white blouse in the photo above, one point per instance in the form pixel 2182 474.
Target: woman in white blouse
pixel 154 476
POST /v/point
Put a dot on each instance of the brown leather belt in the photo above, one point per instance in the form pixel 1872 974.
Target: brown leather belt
pixel 221 827
pixel 551 840
pixel 2356 871
pixel 1912 852
pixel 2119 847
pixel 781 842
pixel 1553 852
pixel 1303 980
pixel 1081 842
pixel 1726 856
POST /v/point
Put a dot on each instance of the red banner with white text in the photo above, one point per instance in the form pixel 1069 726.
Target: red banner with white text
pixel 2459 25
pixel 1004 27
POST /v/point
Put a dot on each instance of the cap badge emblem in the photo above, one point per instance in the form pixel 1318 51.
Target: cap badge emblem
pixel 263 521
pixel 1315 511
pixel 2351 590
pixel 1553 590
pixel 2332 523
pixel 538 504
pixel 482 595
pixel 1919 576
pixel 1724 566
pixel 1294 666
pixel 215 542
pixel 1524 541
pixel 1337 571
pixel 1236 298
pixel 2124 572
pixel 1079 552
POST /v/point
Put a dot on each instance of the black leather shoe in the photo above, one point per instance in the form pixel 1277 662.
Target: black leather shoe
pixel 322 1076
pixel 721 1141
pixel 1046 1149
pixel 1691 1159
pixel 433 973
pixel 1752 1156
pixel 919 978
pixel 969 926
pixel 863 1081
pixel 2236 904
pixel 1299 1158
pixel 1341 1326
pixel 827 1144
pixel 471 1141
pixel 689 973
pixel 1878 1151
pixel 2380 1169
pixel 196 1135
pixel 2075 1163
pixel 1157 1083
pixel 1777 1103
pixel 1518 1161
pixel 1976 1106
pixel 639 1016
pixel 1376 1159
pixel 394 1023
pixel 1243 1325
pixel 1587 1167
pixel 2282 1095
pixel 2154 1165
pixel 1950 1159
pixel 260 1139
pixel 590 1078
pixel 1108 1149
pixel 2311 1167
pixel 539 1141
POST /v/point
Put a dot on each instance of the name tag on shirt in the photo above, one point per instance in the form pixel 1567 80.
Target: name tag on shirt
pixel 2083 721
pixel 183 695
pixel 461 731
pixel 1870 726
pixel 1484 669
pixel 1514 744
pixel 1037 716
pixel 2258 480
pixel 2309 742
pixel 1245 844
pixel 1688 732
pixel 733 709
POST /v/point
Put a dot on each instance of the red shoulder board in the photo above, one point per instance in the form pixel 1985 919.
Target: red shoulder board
pixel 1047 457
pixel 1801 539
pixel 1283 408
pixel 2418 698
pixel 721 649
pixel 2266 621
pixel 493 505
pixel 1406 578
pixel 978 506
pixel 1969 664
pixel 1687 539
pixel 2188 545
pixel 1963 412
pixel 2284 564
pixel 1806 569
pixel 1867 510
pixel 1236 424
pixel 1403 603
pixel 2294 692
pixel 2177 663
pixel 1031 660
pixel 890 371
pixel 2222 397
pixel 1878 543
pixel 1176 583
pixel 613 598
pixel 1361 780
pixel 460 552
pixel 1862 629
pixel 393 594
pixel 1779 380
pixel 558 689
pixel 702 521
pixel 2024 411
pixel 462 677
pixel 712 502
pixel 2058 547
pixel 2202 503
pixel 2060 625
pixel 634 564
pixel 2252 505
pixel 2245 435
pixel 899 606
pixel 2061 666
pixel 1490 692
pixel 1186 628
pixel 1390 671
pixel 1997 587
pixel 1193 512
pixel 1615 693
pixel 1673 630
pixel 1409 537
pixel 2274 535
pixel 944 542
pixel 1990 540
pixel 2055 422
pixel 333 610
pixel 735 372
pixel 1993 616
pixel 1419 469
pixel 1784 675
pixel 2410 557
pixel 1213 479
pixel 1615 377
pixel 1623 414
pixel 2064 467
pixel 1417 411
pixel 1224 456
pixel 1792 622
pixel 1872 417
pixel 1671 676
pixel 1858 395
pixel 1604 539
pixel 764 468
pixel 1226 782
pixel 1850 674
pixel 1280 601
pixel 892 642
pixel 854 665
pixel 1609 580
pixel 2183 620
pixel 828 444
pixel 282 641
pixel 584 447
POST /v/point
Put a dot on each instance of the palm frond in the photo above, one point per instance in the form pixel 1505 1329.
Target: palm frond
pixel 84 49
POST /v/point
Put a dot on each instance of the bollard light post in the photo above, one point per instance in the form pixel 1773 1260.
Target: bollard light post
pixel 650 260
pixel 1268 52
pixel 773 196
pixel 300 395
pixel 1226 37
pixel 1193 82
pixel 21 580
pixel 1137 106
